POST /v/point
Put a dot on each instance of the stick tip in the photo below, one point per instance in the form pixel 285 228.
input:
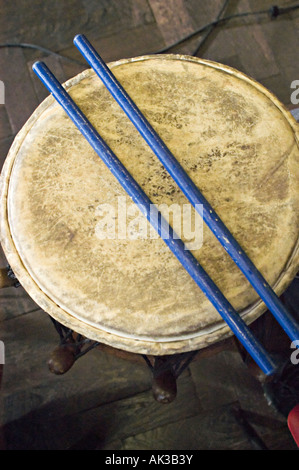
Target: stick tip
pixel 37 66
pixel 78 38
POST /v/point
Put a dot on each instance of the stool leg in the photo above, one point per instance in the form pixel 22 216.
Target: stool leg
pixel 7 278
pixel 164 381
pixel 71 347
pixel 62 358
pixel 165 372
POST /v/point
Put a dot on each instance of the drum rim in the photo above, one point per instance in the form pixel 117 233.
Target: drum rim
pixel 198 340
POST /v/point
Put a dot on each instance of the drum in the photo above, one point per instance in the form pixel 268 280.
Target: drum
pixel 83 251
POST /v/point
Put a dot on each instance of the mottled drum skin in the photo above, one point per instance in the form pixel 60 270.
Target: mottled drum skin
pixel 232 136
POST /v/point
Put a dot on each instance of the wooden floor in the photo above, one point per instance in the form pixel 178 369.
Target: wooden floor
pixel 105 402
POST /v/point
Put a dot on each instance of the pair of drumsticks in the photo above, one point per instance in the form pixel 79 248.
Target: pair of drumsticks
pixel 176 245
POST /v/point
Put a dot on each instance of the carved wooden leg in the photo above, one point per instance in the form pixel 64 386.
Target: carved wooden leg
pixel 62 358
pixel 7 278
pixel 165 371
pixel 164 381
pixel 71 347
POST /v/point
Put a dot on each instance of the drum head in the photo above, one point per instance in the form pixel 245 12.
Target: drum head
pixel 83 251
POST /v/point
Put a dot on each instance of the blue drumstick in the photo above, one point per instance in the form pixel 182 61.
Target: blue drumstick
pixel 176 245
pixel 190 190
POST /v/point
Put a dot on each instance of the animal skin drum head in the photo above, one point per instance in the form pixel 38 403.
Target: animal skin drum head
pixel 83 251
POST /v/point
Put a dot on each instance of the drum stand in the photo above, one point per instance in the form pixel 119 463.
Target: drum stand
pixel 165 369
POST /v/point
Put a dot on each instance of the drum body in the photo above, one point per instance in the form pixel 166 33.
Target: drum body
pixel 83 251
